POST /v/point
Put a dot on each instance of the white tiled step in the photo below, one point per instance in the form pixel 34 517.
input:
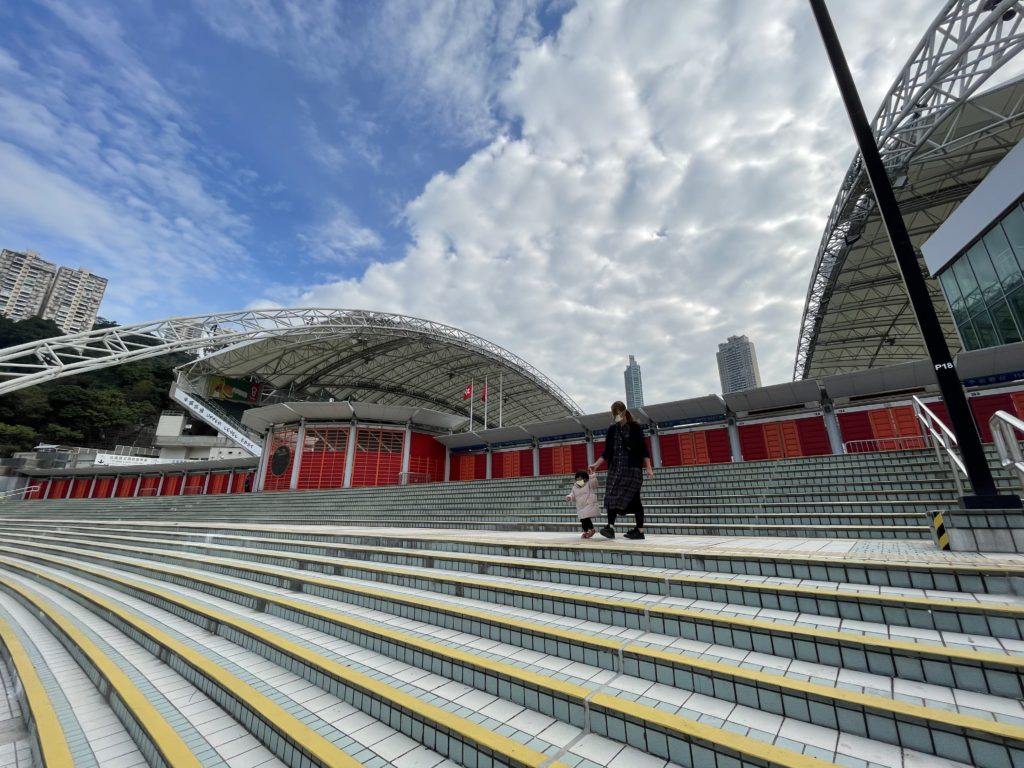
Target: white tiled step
pixel 800 737
pixel 230 742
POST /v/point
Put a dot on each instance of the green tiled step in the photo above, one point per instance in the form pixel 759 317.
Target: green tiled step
pixel 465 736
pixel 965 615
pixel 281 728
pixel 995 579
pixel 966 668
pixel 896 722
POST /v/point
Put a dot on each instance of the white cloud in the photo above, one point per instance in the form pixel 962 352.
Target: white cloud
pixel 448 58
pixel 97 161
pixel 676 165
pixel 310 35
pixel 341 238
pixel 7 62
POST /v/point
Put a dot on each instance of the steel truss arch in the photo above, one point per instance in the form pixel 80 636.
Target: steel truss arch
pixel 282 346
pixel 919 123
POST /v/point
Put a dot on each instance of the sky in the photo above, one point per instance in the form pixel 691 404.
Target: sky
pixel 575 181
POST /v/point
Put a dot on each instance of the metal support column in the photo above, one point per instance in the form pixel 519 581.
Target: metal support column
pixel 734 438
pixel 986 495
pixel 350 454
pixel 300 441
pixel 835 436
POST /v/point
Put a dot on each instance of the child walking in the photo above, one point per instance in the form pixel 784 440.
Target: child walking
pixel 584 493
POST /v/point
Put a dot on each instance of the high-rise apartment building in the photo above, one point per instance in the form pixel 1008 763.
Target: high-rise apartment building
pixel 30 286
pixel 737 365
pixel 25 280
pixel 634 385
pixel 74 299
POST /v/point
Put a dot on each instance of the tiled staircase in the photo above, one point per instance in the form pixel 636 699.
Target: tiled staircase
pixel 229 631
pixel 855 496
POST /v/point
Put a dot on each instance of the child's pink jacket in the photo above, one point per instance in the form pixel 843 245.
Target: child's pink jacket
pixel 587 504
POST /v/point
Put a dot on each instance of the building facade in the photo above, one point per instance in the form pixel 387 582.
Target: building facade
pixel 25 281
pixel 737 365
pixel 30 286
pixel 978 256
pixel 634 384
pixel 74 299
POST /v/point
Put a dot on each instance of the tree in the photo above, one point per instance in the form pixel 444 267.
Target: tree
pixel 14 437
pixel 94 409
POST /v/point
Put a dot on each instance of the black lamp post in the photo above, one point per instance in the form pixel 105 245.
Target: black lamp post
pixel 985 496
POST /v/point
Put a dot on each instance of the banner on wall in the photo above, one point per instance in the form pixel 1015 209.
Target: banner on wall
pixel 234 390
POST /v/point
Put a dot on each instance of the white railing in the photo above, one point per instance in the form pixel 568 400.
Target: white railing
pixel 1006 432
pixel 943 440
pixel 5 495
pixel 878 444
pixel 410 478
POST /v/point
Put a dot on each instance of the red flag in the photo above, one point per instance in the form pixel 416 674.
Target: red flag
pixel 483 393
pixel 467 392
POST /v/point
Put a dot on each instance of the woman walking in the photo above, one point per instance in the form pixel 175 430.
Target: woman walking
pixel 625 452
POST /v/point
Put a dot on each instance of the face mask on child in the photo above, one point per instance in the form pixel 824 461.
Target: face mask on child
pixel 580 483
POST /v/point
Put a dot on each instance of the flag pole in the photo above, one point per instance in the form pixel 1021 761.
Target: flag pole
pixel 484 396
pixel 472 386
pixel 500 377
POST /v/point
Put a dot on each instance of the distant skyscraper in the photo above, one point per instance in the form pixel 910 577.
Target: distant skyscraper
pixel 737 365
pixel 30 286
pixel 634 385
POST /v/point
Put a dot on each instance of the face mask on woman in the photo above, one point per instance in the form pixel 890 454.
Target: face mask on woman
pixel 619 418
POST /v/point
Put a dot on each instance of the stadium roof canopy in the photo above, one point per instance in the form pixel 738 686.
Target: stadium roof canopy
pixel 312 354
pixel 939 139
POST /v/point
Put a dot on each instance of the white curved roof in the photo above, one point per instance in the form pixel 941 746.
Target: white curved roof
pixel 938 139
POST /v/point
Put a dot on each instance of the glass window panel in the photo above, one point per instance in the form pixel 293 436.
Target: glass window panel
pixel 986 329
pixel 968 285
pixel 1005 325
pixel 1013 228
pixel 953 295
pixel 968 335
pixel 1007 268
pixel 1016 300
pixel 984 271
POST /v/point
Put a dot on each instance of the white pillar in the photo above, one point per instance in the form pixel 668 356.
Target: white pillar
pixel 655 448
pixel 406 451
pixel 350 454
pixel 71 487
pixel 835 435
pixel 160 483
pixel 447 464
pixel 734 439
pixel 536 459
pixel 490 457
pixel 300 441
pixel 92 487
pixel 264 462
pixel 590 449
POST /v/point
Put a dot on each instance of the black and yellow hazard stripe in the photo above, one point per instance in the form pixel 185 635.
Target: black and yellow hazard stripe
pixel 939 525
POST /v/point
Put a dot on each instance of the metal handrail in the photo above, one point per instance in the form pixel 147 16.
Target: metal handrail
pixel 943 440
pixel 18 492
pixel 1003 427
pixel 880 444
